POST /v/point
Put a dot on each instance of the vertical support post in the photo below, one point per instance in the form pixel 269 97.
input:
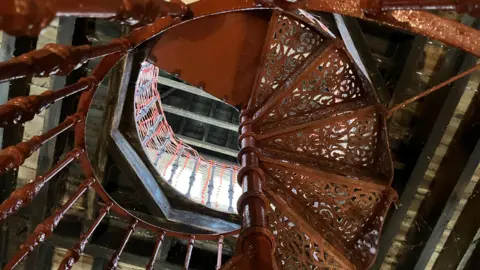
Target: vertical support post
pixel 211 186
pixel 231 191
pixel 175 164
pixel 158 245
pixel 163 148
pixel 219 254
pixel 189 252
pixel 112 264
pixel 192 177
pixel 255 242
pixel 73 254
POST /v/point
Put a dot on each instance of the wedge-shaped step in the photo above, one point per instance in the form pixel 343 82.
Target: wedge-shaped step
pixel 289 43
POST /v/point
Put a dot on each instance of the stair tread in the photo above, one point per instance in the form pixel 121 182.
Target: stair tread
pixel 346 215
pixel 289 43
pixel 347 140
pixel 330 79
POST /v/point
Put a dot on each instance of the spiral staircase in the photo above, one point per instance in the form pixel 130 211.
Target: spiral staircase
pixel 315 162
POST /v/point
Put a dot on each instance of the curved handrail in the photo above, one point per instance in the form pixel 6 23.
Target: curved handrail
pixel 181 166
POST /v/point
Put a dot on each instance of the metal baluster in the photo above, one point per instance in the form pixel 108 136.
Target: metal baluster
pixel 220 185
pixel 152 130
pixel 45 229
pixel 211 186
pixel 144 111
pixel 158 244
pixel 175 164
pixel 187 158
pixel 14 156
pixel 73 254
pixel 219 254
pixel 162 150
pixel 57 59
pixel 22 109
pixel 30 17
pixel 24 195
pixel 112 264
pixel 192 177
pixel 189 252
pixel 230 192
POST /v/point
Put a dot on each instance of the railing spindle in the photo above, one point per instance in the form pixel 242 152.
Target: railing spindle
pixel 230 192
pixel 211 186
pixel 162 151
pixel 192 177
pixel 112 264
pixel 14 156
pixel 189 252
pixel 176 164
pixel 45 229
pixel 24 195
pixel 73 255
pixel 57 59
pixel 219 254
pixel 158 245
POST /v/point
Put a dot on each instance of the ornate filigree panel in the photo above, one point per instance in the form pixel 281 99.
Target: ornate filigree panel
pixel 297 250
pixel 288 46
pixel 349 139
pixel 331 79
pixel 341 206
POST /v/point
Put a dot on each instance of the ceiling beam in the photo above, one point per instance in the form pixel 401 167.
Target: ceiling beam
pixel 208 146
pixel 392 228
pixel 185 87
pixel 447 214
pixel 200 118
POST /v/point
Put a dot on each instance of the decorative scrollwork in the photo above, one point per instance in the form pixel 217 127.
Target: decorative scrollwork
pixel 330 80
pixel 290 45
pixel 296 249
pixel 343 207
pixel 349 139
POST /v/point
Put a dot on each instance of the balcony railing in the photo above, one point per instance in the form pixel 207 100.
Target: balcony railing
pixel 206 182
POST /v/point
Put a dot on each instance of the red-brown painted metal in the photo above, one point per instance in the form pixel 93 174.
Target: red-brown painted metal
pixel 24 195
pixel 45 229
pixel 57 59
pixel 73 255
pixel 209 41
pixel 463 6
pixel 112 264
pixel 22 109
pixel 270 204
pixel 191 242
pixel 14 156
pixel 433 89
pixel 156 249
pixel 256 242
pixel 29 17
